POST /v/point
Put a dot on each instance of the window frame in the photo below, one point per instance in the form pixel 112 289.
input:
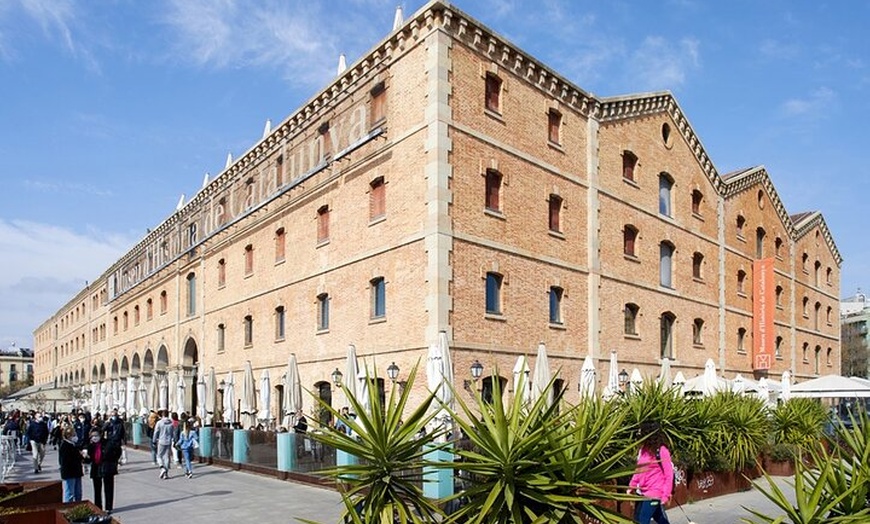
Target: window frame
pixel 280 323
pixel 666 194
pixel 377 199
pixel 493 293
pixel 249 331
pixel 554 218
pixel 629 166
pixel 666 271
pixel 630 311
pixel 554 127
pixel 493 181
pixel 323 224
pixel 378 289
pixel 493 86
pixel 556 294
pixel 323 300
pixel 629 240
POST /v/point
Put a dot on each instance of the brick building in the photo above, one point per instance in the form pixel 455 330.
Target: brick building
pixel 449 181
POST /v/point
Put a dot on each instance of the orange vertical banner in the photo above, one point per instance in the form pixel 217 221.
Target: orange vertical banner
pixel 763 304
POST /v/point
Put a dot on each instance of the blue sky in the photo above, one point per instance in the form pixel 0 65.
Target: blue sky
pixel 111 109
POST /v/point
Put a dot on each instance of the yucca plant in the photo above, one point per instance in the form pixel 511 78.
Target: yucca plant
pixel 533 463
pixel 798 421
pixel 739 427
pixel 388 443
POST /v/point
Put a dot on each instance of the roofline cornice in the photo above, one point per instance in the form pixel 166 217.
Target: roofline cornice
pixel 809 223
pixel 752 177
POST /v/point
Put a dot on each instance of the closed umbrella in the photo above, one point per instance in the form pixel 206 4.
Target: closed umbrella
pixel 95 397
pixel 118 397
pixel 131 396
pixel 111 388
pixel 739 384
pixel 103 393
pixel 763 390
pixel 541 378
pixel 201 395
pixel 153 393
pixel 180 386
pixel 710 382
pixel 210 396
pixel 522 386
pixel 230 400
pixel 143 396
pixel 612 387
pixel 665 373
pixel 171 385
pixel 351 372
pixel 249 400
pixel 587 377
pixel 362 389
pixel 439 377
pixel 786 385
pixel 293 392
pixel 636 380
pixel 264 415
pixel 163 393
pixel 679 380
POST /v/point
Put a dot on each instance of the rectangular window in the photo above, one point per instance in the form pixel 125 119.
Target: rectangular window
pixel 222 273
pixel 666 255
pixel 554 125
pixel 629 162
pixel 379 298
pixel 221 337
pixel 555 305
pixel 149 309
pixel 323 224
pixel 280 243
pixel 249 259
pixel 493 293
pixel 377 199
pixel 249 331
pixel 555 221
pixel 322 312
pixel 493 190
pixel 379 103
pixel 191 294
pixel 136 316
pixel 164 302
pixel 665 185
pixel 493 93
pixel 279 323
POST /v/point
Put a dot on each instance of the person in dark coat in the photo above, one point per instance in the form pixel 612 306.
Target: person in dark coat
pixel 103 457
pixel 69 456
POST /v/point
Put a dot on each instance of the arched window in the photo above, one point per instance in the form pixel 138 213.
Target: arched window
pixel 666 184
pixel 555 214
pixel 741 340
pixel 493 293
pixel 697 265
pixel 629 163
pixel 629 240
pixel 666 341
pixel 191 294
pixel 631 311
pixel 492 197
pixel 666 254
pixel 698 332
pixel 741 282
pixel 556 305
pixel 697 200
pixel 759 242
pixel 741 222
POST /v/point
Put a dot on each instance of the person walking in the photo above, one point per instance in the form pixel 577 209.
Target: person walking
pixel 37 434
pixel 103 457
pixel 153 417
pixel 163 438
pixel 69 457
pixel 188 441
pixel 654 476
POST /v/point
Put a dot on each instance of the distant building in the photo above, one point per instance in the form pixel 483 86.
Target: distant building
pixel 854 320
pixel 16 365
pixel 448 181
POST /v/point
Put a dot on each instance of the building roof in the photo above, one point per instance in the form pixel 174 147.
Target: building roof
pixel 14 350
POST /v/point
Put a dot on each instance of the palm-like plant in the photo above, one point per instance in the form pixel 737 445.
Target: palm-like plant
pixel 534 463
pixel 798 421
pixel 739 427
pixel 378 489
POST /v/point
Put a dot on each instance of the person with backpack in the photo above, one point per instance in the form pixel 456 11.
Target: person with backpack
pixel 115 434
pixel 163 431
pixel 654 476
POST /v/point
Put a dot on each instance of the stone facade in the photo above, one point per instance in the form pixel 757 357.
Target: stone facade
pixel 242 271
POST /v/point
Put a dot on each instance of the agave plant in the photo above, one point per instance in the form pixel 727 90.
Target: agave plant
pixel 388 443
pixel 739 427
pixel 538 462
pixel 834 490
pixel 798 421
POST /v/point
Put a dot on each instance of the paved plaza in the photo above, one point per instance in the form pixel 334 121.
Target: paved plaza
pixel 216 494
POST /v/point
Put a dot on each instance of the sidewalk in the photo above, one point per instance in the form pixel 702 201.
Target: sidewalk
pixel 220 495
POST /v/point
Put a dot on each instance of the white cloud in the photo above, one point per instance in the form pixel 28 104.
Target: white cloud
pixel 300 39
pixel 662 64
pixel 44 266
pixel 813 106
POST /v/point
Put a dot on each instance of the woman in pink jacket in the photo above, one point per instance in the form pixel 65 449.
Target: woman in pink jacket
pixel 654 477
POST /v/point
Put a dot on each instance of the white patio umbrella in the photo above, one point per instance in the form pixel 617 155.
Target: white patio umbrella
pixel 351 371
pixel 143 396
pixel 665 373
pixel 210 396
pixel 763 390
pixel 163 394
pixel 171 384
pixel 103 394
pixel 362 389
pixel 439 376
pixel 230 400
pixel 636 380
pixel 130 407
pixel 120 395
pixel 587 377
pixel 679 381
pixel 522 382
pixel 541 378
pixel 612 387
pixel 111 389
pixel 154 393
pixel 201 395
pixel 738 385
pixel 95 397
pixel 785 394
pixel 264 415
pixel 249 398
pixel 180 386
pixel 710 382
pixel 293 392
